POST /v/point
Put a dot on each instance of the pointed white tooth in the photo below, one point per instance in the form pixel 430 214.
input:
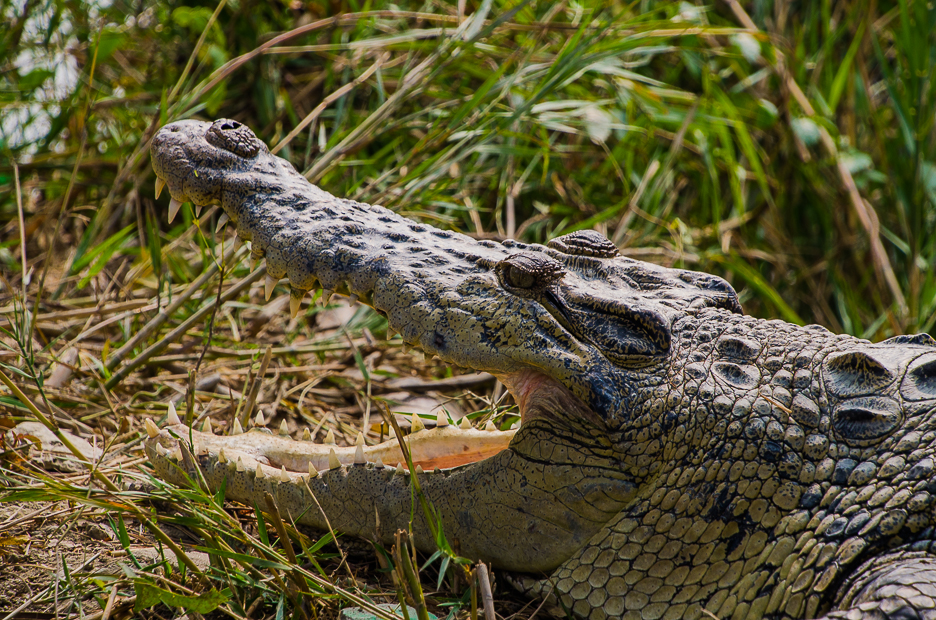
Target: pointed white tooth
pixel 221 458
pixel 237 429
pixel 465 424
pixel 283 429
pixel 399 469
pixel 269 285
pixel 173 417
pixel 224 219
pixel 177 454
pixel 441 419
pixel 174 206
pixel 240 464
pixel 352 298
pixel 151 429
pixel 359 455
pixel 312 473
pixel 238 242
pixel 490 426
pixel 330 437
pixel 419 469
pixel 333 462
pixel 160 450
pixel 295 304
pixel 284 477
pixel 160 184
pixel 259 421
pixel 379 463
pixel 198 209
pixel 252 261
pixel 390 332
pixel 416 424
pixel 306 435
pixel 206 426
pixel 326 295
pixel 407 348
pixel 360 439
pixel 259 471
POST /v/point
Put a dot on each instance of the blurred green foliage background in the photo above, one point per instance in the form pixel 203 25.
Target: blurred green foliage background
pixel 787 146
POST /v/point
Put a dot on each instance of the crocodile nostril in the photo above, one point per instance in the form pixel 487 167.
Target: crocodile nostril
pixel 229 125
pixel 920 380
pixel 855 373
pixel 864 421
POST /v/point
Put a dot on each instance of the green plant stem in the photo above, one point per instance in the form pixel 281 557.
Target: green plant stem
pixel 104 480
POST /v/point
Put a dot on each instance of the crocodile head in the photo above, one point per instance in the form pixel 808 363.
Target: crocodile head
pixel 667 440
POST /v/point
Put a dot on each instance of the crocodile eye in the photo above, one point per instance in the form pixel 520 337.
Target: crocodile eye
pixel 528 272
pixel 234 137
pixel 518 278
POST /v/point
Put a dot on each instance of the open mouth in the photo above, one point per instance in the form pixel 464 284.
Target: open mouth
pixel 443 447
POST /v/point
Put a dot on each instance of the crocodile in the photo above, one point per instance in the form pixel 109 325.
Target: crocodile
pixel 676 458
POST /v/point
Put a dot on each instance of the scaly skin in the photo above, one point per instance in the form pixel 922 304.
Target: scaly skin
pixel 675 455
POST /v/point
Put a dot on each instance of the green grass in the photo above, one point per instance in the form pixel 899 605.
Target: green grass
pixel 797 160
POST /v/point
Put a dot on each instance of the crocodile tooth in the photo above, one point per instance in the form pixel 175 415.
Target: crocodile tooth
pixel 490 426
pixel 151 429
pixel 269 285
pixel 352 298
pixel 284 477
pixel 174 206
pixel 465 424
pixel 407 348
pixel 295 302
pixel 378 464
pixel 160 184
pixel 160 450
pixel 224 219
pixel 238 242
pixel 198 209
pixel 417 424
pixel 222 459
pixel 177 454
pixel 206 426
pixel 306 435
pixel 237 429
pixel 441 419
pixel 173 417
pixel 326 295
pixel 259 421
pixel 312 472
pixel 252 261
pixel 359 455
pixel 330 437
pixel 240 464
pixel 390 332
pixel 399 469
pixel 333 462
pixel 259 471
pixel 283 429
pixel 360 440
pixel 419 469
